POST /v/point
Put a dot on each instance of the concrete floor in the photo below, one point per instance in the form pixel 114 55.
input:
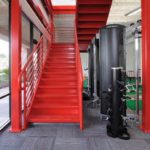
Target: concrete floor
pixel 69 137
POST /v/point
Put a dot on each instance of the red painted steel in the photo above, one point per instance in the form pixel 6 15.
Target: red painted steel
pixel 146 65
pixel 91 15
pixel 30 76
pixel 50 84
pixel 64 9
pixel 15 65
pixel 80 79
pixel 49 6
pixel 59 94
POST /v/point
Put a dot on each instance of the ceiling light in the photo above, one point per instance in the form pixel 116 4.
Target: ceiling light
pixel 133 12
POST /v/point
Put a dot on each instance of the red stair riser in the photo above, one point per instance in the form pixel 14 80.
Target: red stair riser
pixel 56 99
pixel 55 111
pixel 55 91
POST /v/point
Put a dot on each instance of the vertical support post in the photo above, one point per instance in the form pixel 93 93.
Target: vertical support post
pixel 25 99
pixel 137 65
pixel 16 125
pixel 146 65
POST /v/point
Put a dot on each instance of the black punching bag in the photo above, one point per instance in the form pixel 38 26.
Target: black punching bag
pixel 111 54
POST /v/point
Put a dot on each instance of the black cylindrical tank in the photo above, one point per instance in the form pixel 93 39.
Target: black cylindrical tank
pixel 111 54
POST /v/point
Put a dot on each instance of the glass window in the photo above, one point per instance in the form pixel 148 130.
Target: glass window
pixel 25 40
pixel 36 35
pixel 4 63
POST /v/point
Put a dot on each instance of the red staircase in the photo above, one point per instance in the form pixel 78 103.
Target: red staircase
pixel 57 98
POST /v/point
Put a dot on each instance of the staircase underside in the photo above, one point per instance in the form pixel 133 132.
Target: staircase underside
pixel 91 16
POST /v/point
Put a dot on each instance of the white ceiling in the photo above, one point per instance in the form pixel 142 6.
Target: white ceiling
pixel 120 8
pixel 63 2
pixel 117 13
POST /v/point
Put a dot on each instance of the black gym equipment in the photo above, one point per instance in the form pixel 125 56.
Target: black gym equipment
pixel 117 107
pixel 111 54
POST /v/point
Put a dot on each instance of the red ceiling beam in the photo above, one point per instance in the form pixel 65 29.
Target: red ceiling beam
pixel 84 41
pixel 64 9
pixel 87 31
pixel 95 25
pixel 93 10
pixel 92 17
pixel 83 47
pixel 85 37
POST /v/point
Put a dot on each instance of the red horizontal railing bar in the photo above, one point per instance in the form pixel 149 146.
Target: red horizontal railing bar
pixel 30 75
pixel 31 55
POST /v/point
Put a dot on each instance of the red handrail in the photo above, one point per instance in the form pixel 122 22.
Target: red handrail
pixel 80 78
pixel 30 75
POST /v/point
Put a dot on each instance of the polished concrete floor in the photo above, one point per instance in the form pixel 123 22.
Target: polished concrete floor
pixel 69 137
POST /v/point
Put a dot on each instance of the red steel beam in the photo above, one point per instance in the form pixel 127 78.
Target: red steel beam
pixel 64 9
pixel 92 17
pixel 89 25
pixel 83 47
pixel 16 14
pixel 84 9
pixel 87 31
pixel 85 37
pixel 146 65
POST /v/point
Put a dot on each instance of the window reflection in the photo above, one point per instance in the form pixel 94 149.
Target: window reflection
pixel 4 63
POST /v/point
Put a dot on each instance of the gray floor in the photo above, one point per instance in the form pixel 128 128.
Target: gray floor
pixel 69 137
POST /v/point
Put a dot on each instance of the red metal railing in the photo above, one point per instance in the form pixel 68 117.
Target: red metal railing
pixel 80 78
pixel 30 76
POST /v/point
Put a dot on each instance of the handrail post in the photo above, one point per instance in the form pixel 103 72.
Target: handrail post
pixel 25 106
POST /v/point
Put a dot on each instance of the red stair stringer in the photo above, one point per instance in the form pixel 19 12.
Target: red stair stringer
pixel 57 98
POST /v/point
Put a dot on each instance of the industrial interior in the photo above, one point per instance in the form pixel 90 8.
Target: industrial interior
pixel 74 74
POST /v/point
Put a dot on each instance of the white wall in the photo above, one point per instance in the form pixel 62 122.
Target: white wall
pixel 130 56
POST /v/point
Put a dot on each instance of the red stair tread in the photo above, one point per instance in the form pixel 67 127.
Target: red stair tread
pixel 56 99
pixel 55 110
pixel 55 105
pixel 54 118
pixel 56 102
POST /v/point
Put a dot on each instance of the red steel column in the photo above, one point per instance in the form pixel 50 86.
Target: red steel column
pixel 16 125
pixel 146 64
